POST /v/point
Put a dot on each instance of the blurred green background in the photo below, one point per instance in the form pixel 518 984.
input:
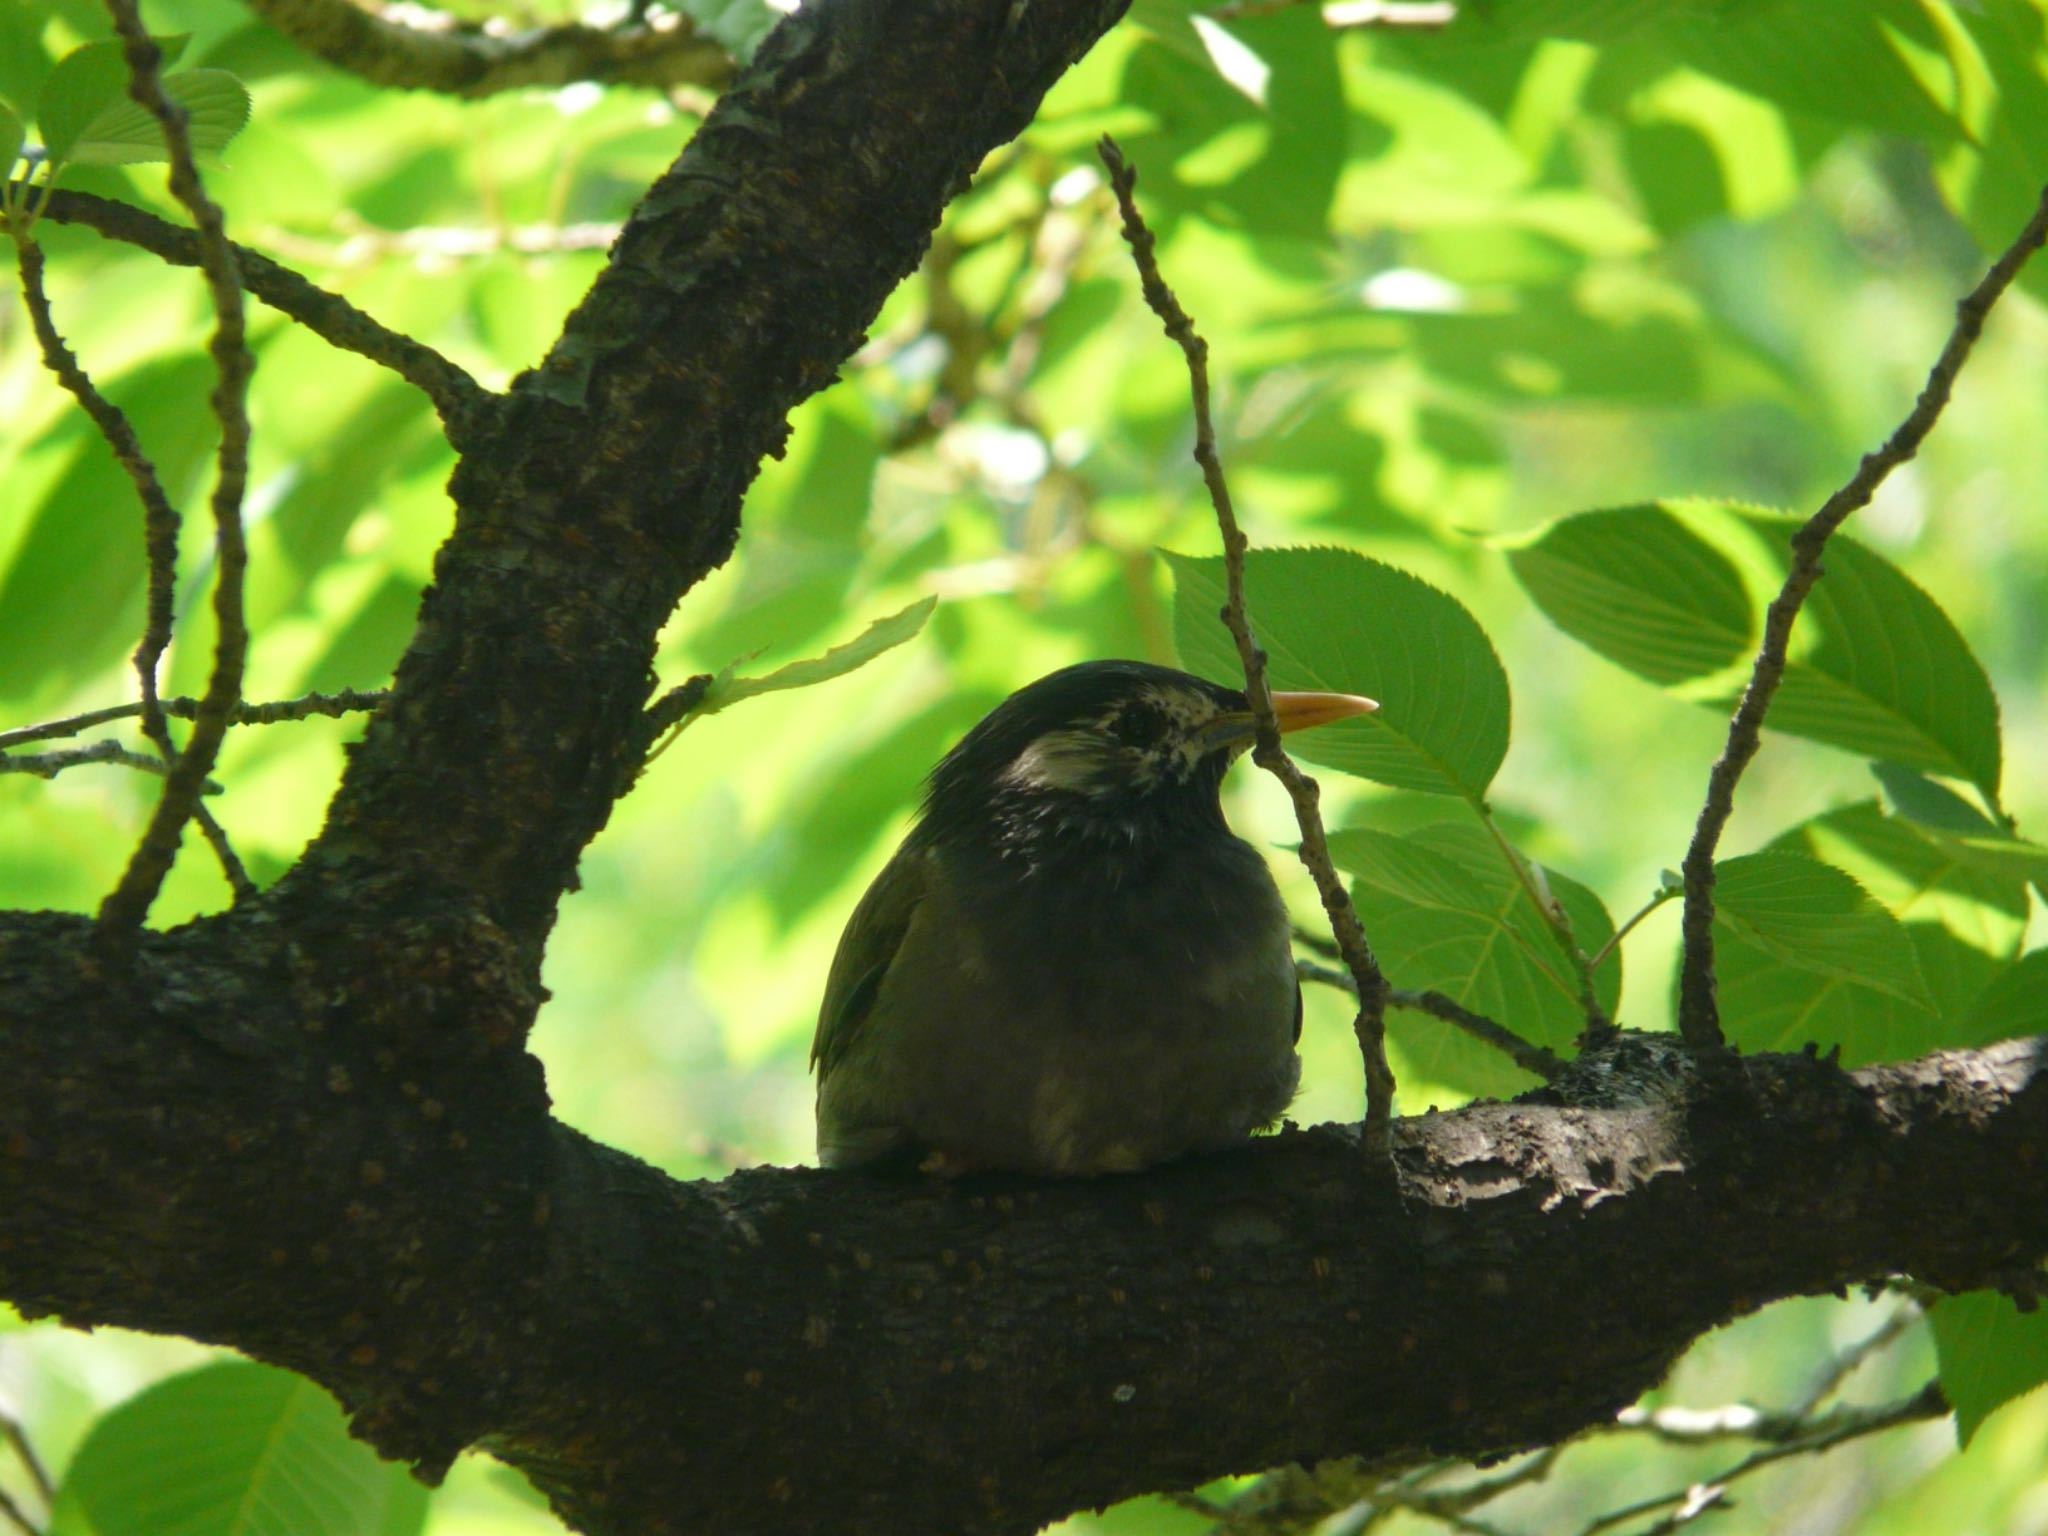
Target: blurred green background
pixel 1457 282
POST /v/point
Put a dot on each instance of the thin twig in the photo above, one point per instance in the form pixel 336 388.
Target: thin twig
pixel 231 866
pixel 332 705
pixel 15 1516
pixel 47 765
pixel 1699 1014
pixel 1844 1364
pixel 125 908
pixel 1370 1025
pixel 1664 894
pixel 1528 1056
pixel 1822 1434
pixel 17 1438
pixel 159 517
pixel 431 51
pixel 457 398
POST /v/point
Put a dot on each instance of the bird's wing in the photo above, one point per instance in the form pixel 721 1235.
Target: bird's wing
pixel 873 935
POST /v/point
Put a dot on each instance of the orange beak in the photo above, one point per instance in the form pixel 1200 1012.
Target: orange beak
pixel 1299 711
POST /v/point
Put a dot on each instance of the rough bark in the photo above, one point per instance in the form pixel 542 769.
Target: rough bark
pixel 216 1149
pixel 310 1128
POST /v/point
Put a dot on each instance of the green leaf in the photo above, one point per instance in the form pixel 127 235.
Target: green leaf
pixel 1885 672
pixel 1918 798
pixel 1643 589
pixel 1814 917
pixel 882 635
pixel 2014 1004
pixel 233 1449
pixel 127 133
pixel 1804 955
pixel 1965 923
pixel 1875 667
pixel 12 136
pixel 1445 913
pixel 1989 1352
pixel 1331 619
pixel 86 82
pixel 71 597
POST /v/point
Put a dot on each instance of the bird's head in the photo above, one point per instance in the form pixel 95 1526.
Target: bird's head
pixel 1105 751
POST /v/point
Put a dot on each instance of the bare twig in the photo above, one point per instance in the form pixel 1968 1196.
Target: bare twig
pixel 1529 1057
pixel 17 1439
pixel 122 913
pixel 1664 894
pixel 1370 1024
pixel 456 397
pixel 425 51
pixel 47 765
pixel 1420 15
pixel 1699 1015
pixel 332 705
pixel 15 1516
pixel 159 517
pixel 1817 1434
pixel 1844 1364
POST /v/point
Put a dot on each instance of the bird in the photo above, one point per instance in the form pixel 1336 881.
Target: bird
pixel 1071 966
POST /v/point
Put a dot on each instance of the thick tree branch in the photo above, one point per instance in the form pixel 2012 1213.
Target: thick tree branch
pixel 613 479
pixel 464 60
pixel 398 1218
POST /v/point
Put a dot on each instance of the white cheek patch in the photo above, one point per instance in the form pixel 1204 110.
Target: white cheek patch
pixel 1068 760
pixel 1190 713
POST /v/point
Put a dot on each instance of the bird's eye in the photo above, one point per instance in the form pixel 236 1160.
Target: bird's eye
pixel 1136 728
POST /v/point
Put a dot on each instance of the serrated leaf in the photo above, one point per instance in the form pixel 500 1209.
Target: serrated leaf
pixel 1886 673
pixel 2014 1004
pixel 86 82
pixel 882 635
pixel 1445 913
pixel 1643 589
pixel 1876 667
pixel 1964 923
pixel 1918 798
pixel 127 133
pixel 1812 917
pixel 1332 619
pixel 233 1449
pixel 1989 1352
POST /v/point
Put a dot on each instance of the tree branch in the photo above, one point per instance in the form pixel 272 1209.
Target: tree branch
pixel 457 397
pixel 1370 1022
pixel 1699 1010
pixel 465 60
pixel 406 1225
pixel 125 907
pixel 612 480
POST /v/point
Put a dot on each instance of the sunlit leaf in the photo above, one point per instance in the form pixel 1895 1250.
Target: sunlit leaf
pixel 1331 619
pixel 12 135
pixel 1989 1351
pixel 1444 912
pixel 1965 923
pixel 234 1449
pixel 1814 917
pixel 1642 588
pixel 1875 666
pixel 882 635
pixel 86 82
pixel 2014 1004
pixel 126 133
